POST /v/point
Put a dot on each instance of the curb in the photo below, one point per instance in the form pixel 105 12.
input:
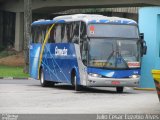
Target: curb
pixel 12 78
pixel 145 89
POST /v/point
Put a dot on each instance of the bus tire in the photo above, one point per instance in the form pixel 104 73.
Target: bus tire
pixel 74 82
pixel 76 86
pixel 43 82
pixel 119 89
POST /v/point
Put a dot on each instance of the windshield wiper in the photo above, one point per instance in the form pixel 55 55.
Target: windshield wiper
pixel 111 54
pixel 118 56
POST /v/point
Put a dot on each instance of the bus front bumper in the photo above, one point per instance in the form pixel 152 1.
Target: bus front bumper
pixel 112 82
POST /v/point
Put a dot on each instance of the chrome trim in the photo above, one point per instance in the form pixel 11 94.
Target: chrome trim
pixel 102 82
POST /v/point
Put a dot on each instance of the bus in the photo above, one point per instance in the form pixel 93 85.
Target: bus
pixel 86 50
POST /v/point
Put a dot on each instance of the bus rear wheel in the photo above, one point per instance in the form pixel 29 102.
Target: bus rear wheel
pixel 43 82
pixel 119 89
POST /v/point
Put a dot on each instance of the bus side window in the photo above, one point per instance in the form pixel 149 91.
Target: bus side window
pixel 82 35
pixel 36 34
pixel 83 31
pixel 41 36
pixel 51 38
pixel 58 33
pixel 64 33
pixel 83 40
pixel 70 32
pixel 43 33
pixel 75 38
pixel 33 34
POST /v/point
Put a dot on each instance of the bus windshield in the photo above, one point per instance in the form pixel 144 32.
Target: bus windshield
pixel 112 30
pixel 114 53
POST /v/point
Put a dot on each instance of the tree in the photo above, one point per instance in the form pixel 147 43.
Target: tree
pixel 27 31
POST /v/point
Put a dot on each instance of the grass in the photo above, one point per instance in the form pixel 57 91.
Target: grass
pixel 8 71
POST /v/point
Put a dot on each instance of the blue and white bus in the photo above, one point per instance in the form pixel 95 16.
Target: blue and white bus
pixel 87 50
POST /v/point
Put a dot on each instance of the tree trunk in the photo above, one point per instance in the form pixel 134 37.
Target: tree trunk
pixel 27 32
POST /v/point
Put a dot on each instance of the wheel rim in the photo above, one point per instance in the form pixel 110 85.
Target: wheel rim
pixel 75 80
pixel 42 78
pixel 75 83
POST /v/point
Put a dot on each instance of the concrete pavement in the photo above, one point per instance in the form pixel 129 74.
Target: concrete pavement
pixel 27 96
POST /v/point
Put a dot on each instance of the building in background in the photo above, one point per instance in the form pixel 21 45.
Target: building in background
pixel 45 8
pixel 149 23
pixel 7 29
pixel 8 21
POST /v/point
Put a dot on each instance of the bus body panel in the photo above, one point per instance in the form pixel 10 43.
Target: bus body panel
pixel 58 67
pixel 58 61
pixel 81 67
pixel 34 52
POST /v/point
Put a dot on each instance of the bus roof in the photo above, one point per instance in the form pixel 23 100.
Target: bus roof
pixel 87 18
pixel 46 22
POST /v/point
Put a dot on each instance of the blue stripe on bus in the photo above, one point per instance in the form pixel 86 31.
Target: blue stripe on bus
pixel 114 73
pixel 47 22
pixel 112 22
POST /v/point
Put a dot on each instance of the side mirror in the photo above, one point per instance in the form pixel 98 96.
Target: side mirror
pixel 141 35
pixel 143 48
pixel 143 44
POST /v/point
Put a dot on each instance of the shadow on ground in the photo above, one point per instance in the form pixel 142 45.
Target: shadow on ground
pixel 108 90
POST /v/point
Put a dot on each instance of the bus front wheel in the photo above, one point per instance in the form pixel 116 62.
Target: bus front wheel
pixel 119 89
pixel 74 83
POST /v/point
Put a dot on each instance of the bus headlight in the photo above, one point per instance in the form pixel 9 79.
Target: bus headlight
pixel 94 75
pixel 134 76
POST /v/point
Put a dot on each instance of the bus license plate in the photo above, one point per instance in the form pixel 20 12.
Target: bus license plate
pixel 115 82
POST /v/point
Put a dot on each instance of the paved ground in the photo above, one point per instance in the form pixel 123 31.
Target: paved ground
pixel 27 96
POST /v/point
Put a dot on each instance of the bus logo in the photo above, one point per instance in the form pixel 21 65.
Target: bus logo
pixel 61 52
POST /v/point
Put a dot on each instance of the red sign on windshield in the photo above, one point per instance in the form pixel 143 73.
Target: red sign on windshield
pixel 92 28
pixel 133 64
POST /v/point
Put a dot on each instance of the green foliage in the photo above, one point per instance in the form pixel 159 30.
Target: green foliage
pixel 2 48
pixel 7 71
